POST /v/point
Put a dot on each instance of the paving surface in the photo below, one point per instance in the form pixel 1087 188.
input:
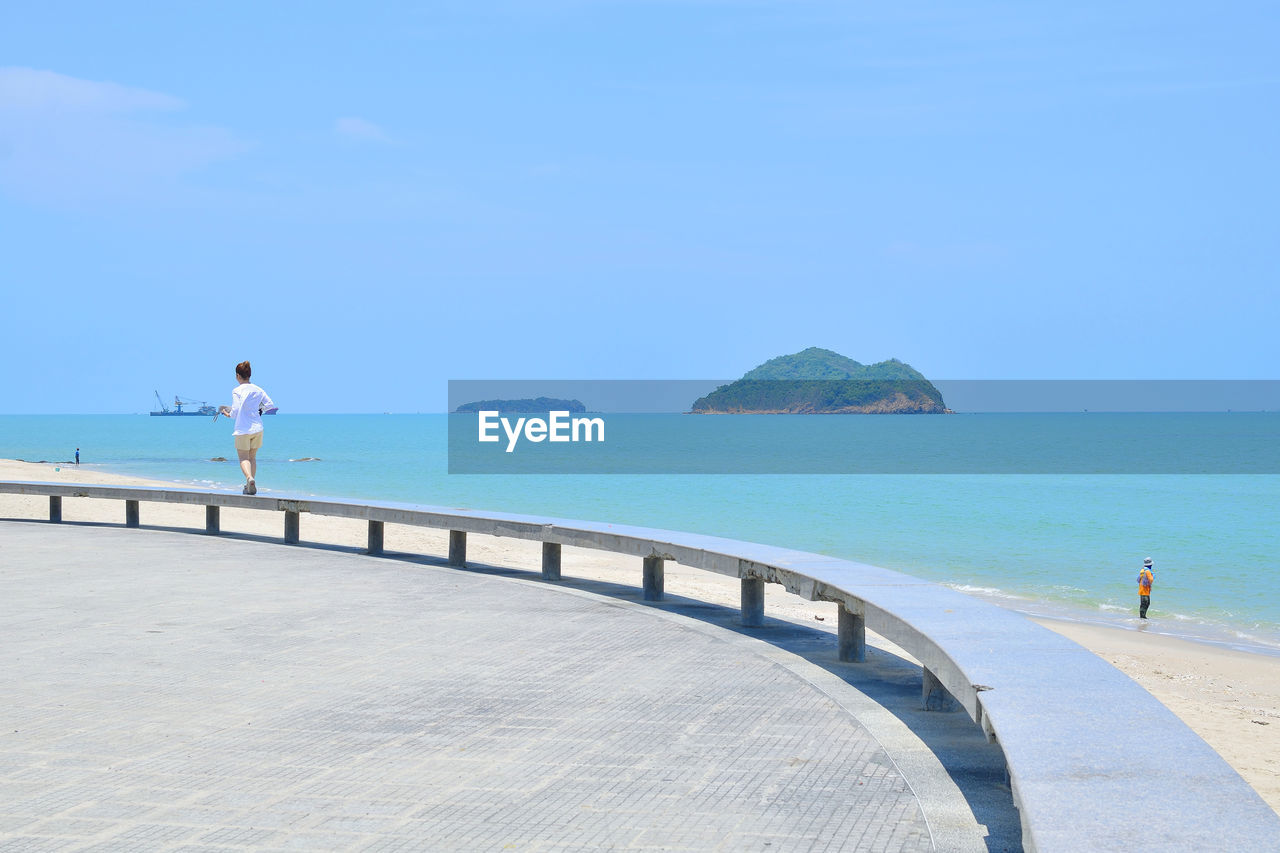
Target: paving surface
pixel 181 692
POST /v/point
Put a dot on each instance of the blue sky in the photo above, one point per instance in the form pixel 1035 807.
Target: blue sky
pixel 368 202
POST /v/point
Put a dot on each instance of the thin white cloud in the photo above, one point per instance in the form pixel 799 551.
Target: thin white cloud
pixel 70 141
pixel 31 89
pixel 360 129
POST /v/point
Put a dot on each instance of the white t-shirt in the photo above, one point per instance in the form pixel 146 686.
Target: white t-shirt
pixel 246 399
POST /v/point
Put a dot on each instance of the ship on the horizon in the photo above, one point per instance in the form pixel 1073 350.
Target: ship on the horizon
pixel 203 408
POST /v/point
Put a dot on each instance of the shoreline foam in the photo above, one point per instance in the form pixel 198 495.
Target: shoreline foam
pixel 1229 696
pixel 1176 626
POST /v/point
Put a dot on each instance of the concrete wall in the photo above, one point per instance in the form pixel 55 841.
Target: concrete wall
pixel 1095 762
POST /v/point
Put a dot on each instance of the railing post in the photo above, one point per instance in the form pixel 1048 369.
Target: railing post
pixel 653 578
pixel 212 520
pixel 55 508
pixel 936 697
pixel 852 635
pixel 551 561
pixel 457 548
pixel 130 513
pixel 292 527
pixel 752 602
pixel 375 538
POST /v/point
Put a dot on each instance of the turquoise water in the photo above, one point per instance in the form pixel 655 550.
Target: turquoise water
pixel 989 443
pixel 1064 545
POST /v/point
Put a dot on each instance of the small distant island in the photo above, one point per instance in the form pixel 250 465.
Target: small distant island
pixel 537 405
pixel 820 382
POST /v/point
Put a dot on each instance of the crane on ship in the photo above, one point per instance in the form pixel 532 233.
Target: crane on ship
pixel 202 407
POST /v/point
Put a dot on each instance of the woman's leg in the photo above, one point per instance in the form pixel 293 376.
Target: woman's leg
pixel 253 464
pixel 247 463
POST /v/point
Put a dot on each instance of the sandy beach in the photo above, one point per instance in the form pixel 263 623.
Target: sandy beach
pixel 1230 698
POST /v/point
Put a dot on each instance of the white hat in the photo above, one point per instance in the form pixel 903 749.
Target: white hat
pixel 1146 562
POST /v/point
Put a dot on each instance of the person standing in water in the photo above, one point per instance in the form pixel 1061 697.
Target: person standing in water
pixel 1146 578
pixel 77 456
pixel 248 402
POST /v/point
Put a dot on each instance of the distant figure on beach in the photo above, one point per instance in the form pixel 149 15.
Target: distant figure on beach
pixel 1146 578
pixel 77 456
pixel 248 401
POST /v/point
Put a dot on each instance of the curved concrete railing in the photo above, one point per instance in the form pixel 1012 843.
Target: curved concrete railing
pixel 1095 762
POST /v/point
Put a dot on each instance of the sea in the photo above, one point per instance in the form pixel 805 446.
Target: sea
pixel 1064 543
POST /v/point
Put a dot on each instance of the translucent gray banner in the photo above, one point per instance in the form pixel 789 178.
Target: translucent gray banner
pixel 790 427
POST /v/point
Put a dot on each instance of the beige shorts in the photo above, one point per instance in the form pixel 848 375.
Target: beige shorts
pixel 252 441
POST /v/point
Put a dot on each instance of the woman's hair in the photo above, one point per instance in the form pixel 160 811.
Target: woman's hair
pixel 243 369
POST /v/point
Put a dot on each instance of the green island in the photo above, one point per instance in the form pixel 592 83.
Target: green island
pixel 818 381
pixel 534 406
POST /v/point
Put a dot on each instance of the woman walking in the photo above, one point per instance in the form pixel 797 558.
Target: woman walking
pixel 248 403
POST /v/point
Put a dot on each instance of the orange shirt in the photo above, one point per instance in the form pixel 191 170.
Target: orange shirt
pixel 1145 579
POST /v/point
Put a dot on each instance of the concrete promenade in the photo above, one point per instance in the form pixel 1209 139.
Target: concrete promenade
pixel 173 691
